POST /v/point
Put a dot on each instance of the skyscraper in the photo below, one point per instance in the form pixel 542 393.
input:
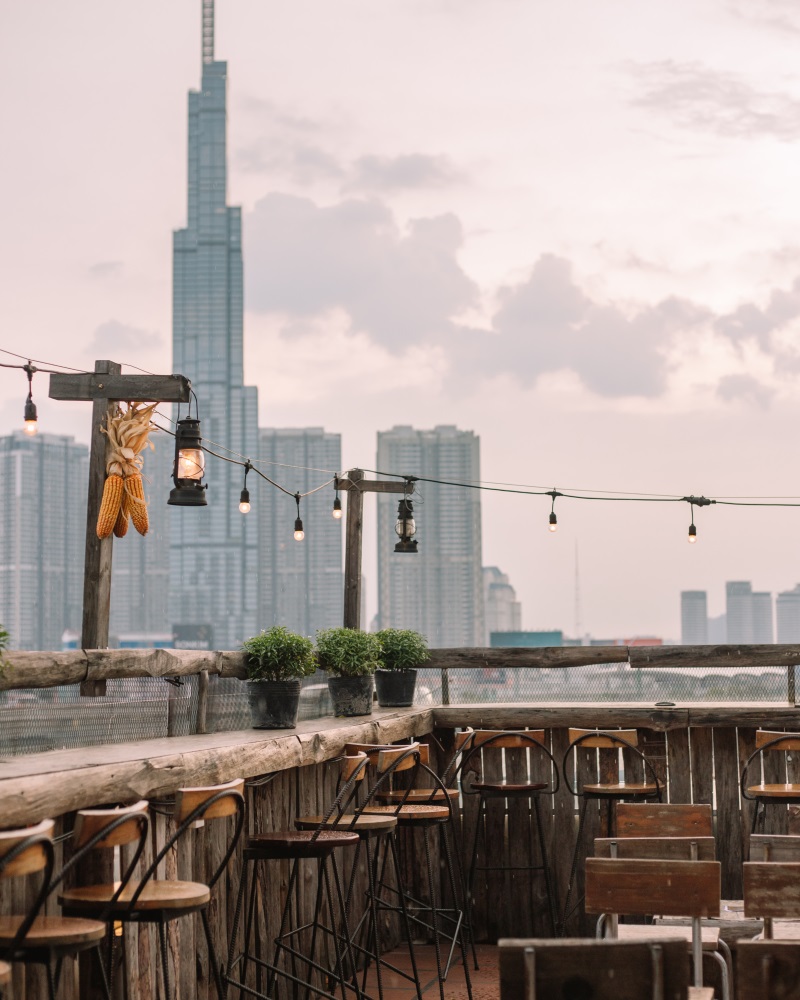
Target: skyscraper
pixel 748 613
pixel 300 583
pixel 502 610
pixel 439 590
pixel 787 613
pixel 213 549
pixel 43 484
pixel 694 617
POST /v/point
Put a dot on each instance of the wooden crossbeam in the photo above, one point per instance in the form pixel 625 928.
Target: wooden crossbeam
pixel 110 385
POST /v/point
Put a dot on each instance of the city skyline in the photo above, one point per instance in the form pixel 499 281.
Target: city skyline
pixel 431 248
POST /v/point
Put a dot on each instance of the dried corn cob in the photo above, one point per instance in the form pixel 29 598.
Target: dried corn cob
pixel 137 505
pixel 110 506
pixel 121 524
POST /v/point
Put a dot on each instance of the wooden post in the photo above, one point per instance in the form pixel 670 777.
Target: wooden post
pixel 104 388
pixel 352 557
pixel 97 558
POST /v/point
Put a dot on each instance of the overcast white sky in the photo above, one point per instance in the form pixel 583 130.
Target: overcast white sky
pixel 573 228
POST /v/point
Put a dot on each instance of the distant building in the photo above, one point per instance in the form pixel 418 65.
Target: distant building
pixel 43 489
pixel 748 615
pixel 300 584
pixel 694 618
pixel 502 610
pixel 439 590
pixel 787 614
pixel 717 630
pixel 526 640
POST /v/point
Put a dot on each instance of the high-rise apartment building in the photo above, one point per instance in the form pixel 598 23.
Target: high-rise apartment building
pixel 43 489
pixel 787 615
pixel 300 583
pixel 694 617
pixel 439 590
pixel 213 549
pixel 502 610
pixel 748 614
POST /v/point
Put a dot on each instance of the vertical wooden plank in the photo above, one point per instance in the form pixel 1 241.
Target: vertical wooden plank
pixel 702 758
pixel 189 925
pixel 746 738
pixel 588 773
pixel 679 777
pixel 352 553
pixel 174 927
pixel 201 865
pixel 540 770
pixel 564 827
pixel 469 826
pixel 776 818
pixel 523 887
pixel 726 781
pixel 495 848
pixel 653 744
pixel 97 559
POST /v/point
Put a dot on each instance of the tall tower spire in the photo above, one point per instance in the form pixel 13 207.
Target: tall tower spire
pixel 208 31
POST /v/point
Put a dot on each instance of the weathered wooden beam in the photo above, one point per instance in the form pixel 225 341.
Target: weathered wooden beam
pixel 372 486
pixel 519 656
pixel 588 715
pixel 352 553
pixel 113 385
pixel 711 657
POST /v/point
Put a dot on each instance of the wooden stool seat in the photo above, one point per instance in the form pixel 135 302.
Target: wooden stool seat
pixel 411 813
pixel 298 843
pixel 615 789
pixel 418 795
pixel 700 993
pixel 5 973
pixel 508 787
pixel 348 822
pixel 775 791
pixel 54 932
pixel 168 894
pixel 641 932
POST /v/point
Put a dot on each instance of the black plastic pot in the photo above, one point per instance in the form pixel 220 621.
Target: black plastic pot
pixel 395 687
pixel 273 704
pixel 351 695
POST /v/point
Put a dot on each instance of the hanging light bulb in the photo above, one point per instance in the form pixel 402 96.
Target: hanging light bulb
pixel 692 533
pixel 337 508
pixel 553 525
pixel 189 466
pixel 31 421
pixel 299 534
pixel 406 526
pixel 244 498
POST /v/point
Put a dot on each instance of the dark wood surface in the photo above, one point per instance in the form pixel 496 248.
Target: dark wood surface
pixel 352 552
pixel 109 384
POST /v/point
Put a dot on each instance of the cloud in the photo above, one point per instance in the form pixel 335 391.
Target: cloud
pixel 301 163
pixel 759 323
pixel 698 97
pixel 113 337
pixel 393 173
pixel 746 388
pixel 400 286
pixel 105 268
pixel 782 15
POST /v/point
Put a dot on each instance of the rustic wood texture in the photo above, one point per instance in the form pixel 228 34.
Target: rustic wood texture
pixel 772 889
pixel 352 560
pixel 645 887
pixel 766 969
pixel 660 819
pixel 774 847
pixel 113 385
pixel 714 657
pixel 669 848
pixel 603 970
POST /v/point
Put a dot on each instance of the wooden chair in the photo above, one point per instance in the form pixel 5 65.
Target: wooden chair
pixel 30 937
pixel 766 793
pixel 158 901
pixel 772 891
pixel 601 970
pixel 666 848
pixel 664 819
pixel 638 787
pixel 474 748
pixel 767 969
pixel 774 847
pixel 299 965
pixel 670 888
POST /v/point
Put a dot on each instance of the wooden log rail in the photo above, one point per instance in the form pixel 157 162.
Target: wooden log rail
pixel 21 669
pixel 696 748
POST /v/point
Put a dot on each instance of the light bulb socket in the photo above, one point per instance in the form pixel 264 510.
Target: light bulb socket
pixel 30 410
pixel 692 532
pixel 298 524
pixel 553 520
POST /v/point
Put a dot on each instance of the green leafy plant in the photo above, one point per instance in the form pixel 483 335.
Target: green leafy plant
pixel 402 649
pixel 276 654
pixel 347 652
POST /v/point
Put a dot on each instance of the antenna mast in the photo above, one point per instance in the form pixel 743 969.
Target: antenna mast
pixel 208 31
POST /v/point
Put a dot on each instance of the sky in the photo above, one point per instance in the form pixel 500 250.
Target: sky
pixel 572 228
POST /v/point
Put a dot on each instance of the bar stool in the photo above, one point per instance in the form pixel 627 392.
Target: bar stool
pixel 769 793
pixel 377 837
pixel 472 746
pixel 648 787
pixel 31 938
pixel 426 810
pixel 158 901
pixel 297 846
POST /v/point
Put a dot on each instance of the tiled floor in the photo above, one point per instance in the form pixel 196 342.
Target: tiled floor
pixel 485 980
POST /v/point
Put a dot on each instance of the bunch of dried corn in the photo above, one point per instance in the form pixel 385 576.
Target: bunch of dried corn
pixel 123 493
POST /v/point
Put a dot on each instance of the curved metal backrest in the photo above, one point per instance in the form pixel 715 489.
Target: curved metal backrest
pixel 27 851
pixel 612 739
pixel 484 740
pixel 767 741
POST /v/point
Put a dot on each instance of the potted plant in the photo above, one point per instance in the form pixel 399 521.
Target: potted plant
pixel 276 660
pixel 349 657
pixel 402 651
